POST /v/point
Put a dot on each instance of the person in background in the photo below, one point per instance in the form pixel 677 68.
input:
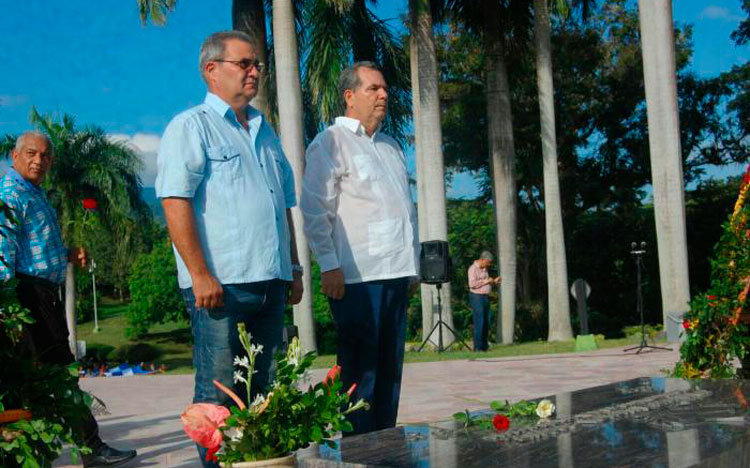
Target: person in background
pixel 33 252
pixel 480 285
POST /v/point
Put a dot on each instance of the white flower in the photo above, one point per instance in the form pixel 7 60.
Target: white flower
pixel 294 352
pixel 256 349
pixel 545 409
pixel 238 377
pixel 242 361
pixel 234 433
pixel 259 399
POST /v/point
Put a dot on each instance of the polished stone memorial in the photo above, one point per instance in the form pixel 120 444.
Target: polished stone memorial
pixel 642 423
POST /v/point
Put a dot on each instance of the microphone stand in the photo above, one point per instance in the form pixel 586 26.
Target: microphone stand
pixel 637 254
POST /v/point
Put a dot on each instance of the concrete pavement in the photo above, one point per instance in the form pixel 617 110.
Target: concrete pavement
pixel 144 410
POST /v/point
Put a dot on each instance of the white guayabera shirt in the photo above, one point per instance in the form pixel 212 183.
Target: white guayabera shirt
pixel 357 205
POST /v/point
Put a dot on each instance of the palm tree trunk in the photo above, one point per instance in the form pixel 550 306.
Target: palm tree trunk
pixel 422 216
pixel 249 16
pixel 293 142
pixel 502 165
pixel 657 44
pixel 557 270
pixel 70 308
pixel 433 166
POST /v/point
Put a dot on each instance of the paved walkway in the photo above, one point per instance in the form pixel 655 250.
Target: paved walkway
pixel 145 409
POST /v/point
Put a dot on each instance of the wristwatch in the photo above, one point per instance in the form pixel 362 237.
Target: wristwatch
pixel 297 270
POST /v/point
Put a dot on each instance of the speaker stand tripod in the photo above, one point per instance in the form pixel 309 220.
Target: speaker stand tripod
pixel 638 257
pixel 439 327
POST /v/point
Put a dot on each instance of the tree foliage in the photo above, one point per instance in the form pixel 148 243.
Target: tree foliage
pixel 154 292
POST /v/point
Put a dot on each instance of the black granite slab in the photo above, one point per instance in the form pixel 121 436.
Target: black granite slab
pixel 640 423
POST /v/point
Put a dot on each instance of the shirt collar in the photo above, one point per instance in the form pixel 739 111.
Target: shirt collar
pixel 222 108
pixel 355 126
pixel 13 174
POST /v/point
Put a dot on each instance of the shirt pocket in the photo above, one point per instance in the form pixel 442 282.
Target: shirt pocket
pixel 224 161
pixel 368 167
pixel 386 237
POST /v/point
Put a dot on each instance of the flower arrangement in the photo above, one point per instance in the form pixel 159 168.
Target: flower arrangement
pixel 504 412
pixel 39 403
pixel 716 326
pixel 276 423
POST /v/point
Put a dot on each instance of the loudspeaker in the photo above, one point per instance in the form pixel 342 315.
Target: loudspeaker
pixel 435 262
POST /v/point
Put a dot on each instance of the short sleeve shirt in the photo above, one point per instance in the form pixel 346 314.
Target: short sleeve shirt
pixel 240 185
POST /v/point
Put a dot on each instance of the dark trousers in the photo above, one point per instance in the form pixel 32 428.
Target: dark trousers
pixel 260 306
pixel 47 337
pixel 371 327
pixel 480 307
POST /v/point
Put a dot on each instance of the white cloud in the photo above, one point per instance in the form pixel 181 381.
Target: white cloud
pixel 146 145
pixel 716 12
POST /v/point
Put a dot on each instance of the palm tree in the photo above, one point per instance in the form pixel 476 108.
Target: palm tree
pixel 557 270
pixel 293 141
pixel 499 21
pixel 87 165
pixel 429 142
pixel 425 290
pixel 657 44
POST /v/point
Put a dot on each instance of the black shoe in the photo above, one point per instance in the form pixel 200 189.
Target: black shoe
pixel 106 456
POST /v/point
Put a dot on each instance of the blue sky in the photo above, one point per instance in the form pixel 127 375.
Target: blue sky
pixel 96 62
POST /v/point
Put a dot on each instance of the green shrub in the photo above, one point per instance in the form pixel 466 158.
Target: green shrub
pixel 155 296
pixel 84 296
pixel 136 353
pixel 99 352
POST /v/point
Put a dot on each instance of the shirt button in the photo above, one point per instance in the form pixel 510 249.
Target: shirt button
pixel 261 164
pixel 271 190
pixel 225 157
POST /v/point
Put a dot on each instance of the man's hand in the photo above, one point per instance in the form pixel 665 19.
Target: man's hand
pixel 296 289
pixel 207 291
pixel 77 256
pixel 332 283
pixel 498 280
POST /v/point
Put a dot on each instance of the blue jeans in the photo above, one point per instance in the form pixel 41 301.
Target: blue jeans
pixel 260 306
pixel 371 327
pixel 480 306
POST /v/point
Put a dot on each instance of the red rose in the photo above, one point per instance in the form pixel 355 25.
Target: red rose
pixel 501 422
pixel 710 297
pixel 89 203
pixel 686 324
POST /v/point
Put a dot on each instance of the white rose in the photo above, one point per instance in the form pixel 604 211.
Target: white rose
pixel 545 409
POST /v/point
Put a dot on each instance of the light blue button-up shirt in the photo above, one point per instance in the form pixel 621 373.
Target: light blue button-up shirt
pixel 240 184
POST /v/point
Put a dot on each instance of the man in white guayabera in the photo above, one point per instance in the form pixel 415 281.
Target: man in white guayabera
pixel 360 223
pixel 226 188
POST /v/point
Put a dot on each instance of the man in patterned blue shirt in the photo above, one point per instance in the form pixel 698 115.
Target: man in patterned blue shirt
pixel 32 250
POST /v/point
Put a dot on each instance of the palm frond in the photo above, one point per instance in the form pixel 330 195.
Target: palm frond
pixel 155 10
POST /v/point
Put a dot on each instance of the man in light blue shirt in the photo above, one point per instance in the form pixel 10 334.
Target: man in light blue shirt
pixel 227 189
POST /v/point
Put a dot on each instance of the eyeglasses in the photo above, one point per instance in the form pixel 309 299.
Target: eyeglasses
pixel 246 64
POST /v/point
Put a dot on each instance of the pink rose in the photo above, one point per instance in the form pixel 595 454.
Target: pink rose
pixel 201 422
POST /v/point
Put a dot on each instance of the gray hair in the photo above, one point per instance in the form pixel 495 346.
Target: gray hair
pixel 349 78
pixel 214 46
pixel 486 255
pixel 21 140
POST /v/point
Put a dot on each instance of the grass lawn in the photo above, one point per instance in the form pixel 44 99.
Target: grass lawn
pixel 173 342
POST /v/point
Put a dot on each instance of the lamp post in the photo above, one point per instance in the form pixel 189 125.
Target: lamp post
pixel 92 270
